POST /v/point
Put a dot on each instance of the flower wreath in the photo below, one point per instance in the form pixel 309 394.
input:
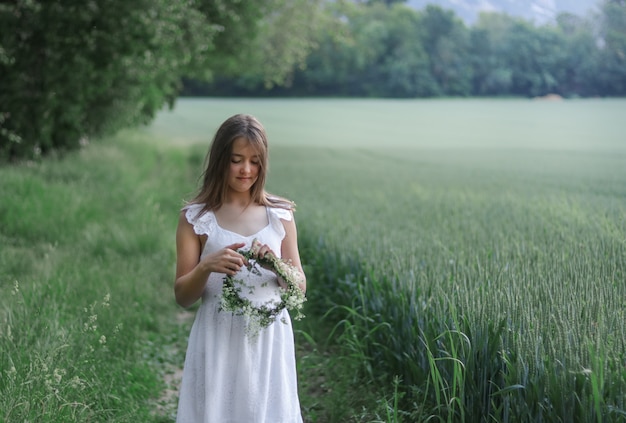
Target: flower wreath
pixel 261 316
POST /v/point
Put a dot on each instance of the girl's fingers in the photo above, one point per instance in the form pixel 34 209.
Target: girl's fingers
pixel 233 255
pixel 232 267
pixel 236 245
pixel 265 250
pixel 261 251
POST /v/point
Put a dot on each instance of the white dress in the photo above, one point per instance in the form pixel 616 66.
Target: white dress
pixel 229 376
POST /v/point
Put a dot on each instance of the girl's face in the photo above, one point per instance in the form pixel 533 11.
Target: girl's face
pixel 244 166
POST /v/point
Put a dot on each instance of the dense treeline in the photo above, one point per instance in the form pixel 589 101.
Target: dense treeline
pixel 72 69
pixel 382 48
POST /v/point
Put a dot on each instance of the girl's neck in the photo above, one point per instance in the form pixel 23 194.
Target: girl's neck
pixel 239 200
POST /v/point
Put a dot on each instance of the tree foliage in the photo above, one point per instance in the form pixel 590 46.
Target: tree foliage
pixel 612 55
pixel 72 69
pixel 385 48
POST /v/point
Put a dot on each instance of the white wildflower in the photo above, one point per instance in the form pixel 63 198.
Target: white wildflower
pixel 77 383
pixel 58 375
pixel 90 324
pixel 11 372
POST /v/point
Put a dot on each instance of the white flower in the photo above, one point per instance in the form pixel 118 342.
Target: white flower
pixel 77 383
pixel 58 375
pixel 11 372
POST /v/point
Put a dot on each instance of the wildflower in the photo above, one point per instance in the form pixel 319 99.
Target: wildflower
pixel 77 383
pixel 90 324
pixel 11 372
pixel 103 340
pixel 16 287
pixel 105 300
pixel 58 375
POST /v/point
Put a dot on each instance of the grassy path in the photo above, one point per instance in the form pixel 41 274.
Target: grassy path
pixel 89 330
pixel 86 247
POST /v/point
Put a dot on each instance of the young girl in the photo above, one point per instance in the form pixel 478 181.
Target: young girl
pixel 230 376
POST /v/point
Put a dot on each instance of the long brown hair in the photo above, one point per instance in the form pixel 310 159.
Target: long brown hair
pixel 212 192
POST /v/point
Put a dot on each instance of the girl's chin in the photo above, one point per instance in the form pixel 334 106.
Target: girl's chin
pixel 240 189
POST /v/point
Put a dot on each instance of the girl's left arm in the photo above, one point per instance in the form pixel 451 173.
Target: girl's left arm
pixel 289 249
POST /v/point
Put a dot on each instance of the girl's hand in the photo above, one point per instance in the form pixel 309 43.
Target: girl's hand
pixel 259 251
pixel 262 251
pixel 227 260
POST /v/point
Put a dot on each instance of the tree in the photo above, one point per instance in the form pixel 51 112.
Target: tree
pixel 72 69
pixel 446 41
pixel 492 75
pixel 580 55
pixel 611 75
pixel 268 40
pixel 406 70
pixel 513 57
pixel 371 49
pixel 385 2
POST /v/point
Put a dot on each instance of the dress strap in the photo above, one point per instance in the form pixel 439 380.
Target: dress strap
pixel 203 224
pixel 275 215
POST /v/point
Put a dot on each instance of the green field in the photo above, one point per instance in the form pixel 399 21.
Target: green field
pixel 475 248
pixel 472 251
pixel 575 125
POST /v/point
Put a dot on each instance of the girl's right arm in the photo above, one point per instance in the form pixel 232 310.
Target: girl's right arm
pixel 191 272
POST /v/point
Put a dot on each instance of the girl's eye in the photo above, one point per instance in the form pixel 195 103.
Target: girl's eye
pixel 237 161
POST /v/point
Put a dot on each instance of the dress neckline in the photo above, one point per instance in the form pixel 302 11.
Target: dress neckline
pixel 269 223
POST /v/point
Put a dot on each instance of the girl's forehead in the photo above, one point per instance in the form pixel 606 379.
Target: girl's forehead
pixel 244 146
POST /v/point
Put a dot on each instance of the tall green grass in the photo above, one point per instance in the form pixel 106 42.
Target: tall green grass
pixel 491 284
pixel 86 253
pixel 474 250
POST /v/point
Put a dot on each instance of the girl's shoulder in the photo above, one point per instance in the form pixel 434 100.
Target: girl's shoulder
pixel 280 213
pixel 202 220
pixel 276 202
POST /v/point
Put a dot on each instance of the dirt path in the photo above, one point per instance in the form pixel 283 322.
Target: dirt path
pixel 165 408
